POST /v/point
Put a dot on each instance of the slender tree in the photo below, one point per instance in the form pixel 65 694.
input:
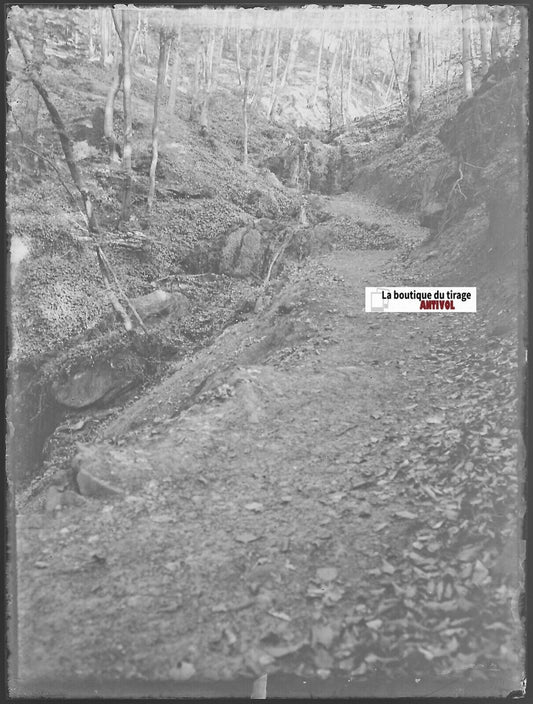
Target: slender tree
pixel 275 66
pixel 484 40
pixel 350 73
pixel 245 116
pixel 128 129
pixel 467 49
pixel 109 130
pixel 238 53
pixel 64 138
pixel 174 73
pixel 414 82
pixel 164 40
pixel 394 64
pixel 262 70
pixel 319 62
pixel 37 61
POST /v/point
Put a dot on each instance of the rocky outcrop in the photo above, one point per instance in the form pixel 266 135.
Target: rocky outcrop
pixel 160 303
pixel 431 215
pixel 243 253
pixel 100 383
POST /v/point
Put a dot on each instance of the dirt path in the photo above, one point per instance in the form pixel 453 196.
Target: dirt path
pixel 333 506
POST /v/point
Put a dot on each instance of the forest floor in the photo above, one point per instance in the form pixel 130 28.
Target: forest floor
pixel 337 503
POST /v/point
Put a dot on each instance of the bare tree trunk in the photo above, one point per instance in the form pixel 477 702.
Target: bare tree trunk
pixel 394 65
pixel 37 61
pixel 467 50
pixel 207 73
pixel 293 51
pixel 318 63
pixel 261 74
pixel 275 65
pixel 238 54
pixel 414 80
pixel 333 64
pixel 329 102
pixel 483 37
pixel 196 85
pixel 220 52
pixel 105 35
pixel 174 76
pixel 161 66
pixel 92 50
pixel 499 19
pixel 109 131
pixel 245 117
pixel 66 142
pixel 128 130
pixel 343 112
pixel 363 59
pixel 259 50
pixel 350 74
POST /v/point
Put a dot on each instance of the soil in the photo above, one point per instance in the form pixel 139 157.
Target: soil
pixel 323 494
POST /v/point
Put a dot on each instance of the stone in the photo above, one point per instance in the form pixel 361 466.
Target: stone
pixel 53 499
pixel 71 498
pixel 431 214
pixel 95 488
pixel 243 253
pixel 101 382
pixel 161 302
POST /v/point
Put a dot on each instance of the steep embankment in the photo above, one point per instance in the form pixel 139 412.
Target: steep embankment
pixel 58 298
pixel 322 492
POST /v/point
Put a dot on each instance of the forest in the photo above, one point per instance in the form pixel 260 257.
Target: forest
pixel 224 476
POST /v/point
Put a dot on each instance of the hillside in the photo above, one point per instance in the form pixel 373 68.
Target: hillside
pixel 261 478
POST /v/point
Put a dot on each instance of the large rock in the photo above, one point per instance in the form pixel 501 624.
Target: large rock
pixel 243 253
pixel 431 215
pixel 159 303
pixel 101 382
pixel 151 305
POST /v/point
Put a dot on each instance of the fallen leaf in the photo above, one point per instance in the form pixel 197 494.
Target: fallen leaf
pixel 323 659
pixel 337 496
pixel 327 574
pixel 183 672
pixel 332 595
pixel 435 420
pixel 247 537
pixel 480 574
pixel 280 615
pixel 387 567
pixel 405 514
pixel 230 636
pixel 254 506
pixel 315 592
pixel 322 635
pixel 375 624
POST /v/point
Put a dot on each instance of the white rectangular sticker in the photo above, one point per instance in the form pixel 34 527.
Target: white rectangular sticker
pixel 415 299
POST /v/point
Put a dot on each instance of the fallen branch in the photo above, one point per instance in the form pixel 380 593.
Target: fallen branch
pixel 66 142
pixel 112 296
pixel 102 257
pixel 277 256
